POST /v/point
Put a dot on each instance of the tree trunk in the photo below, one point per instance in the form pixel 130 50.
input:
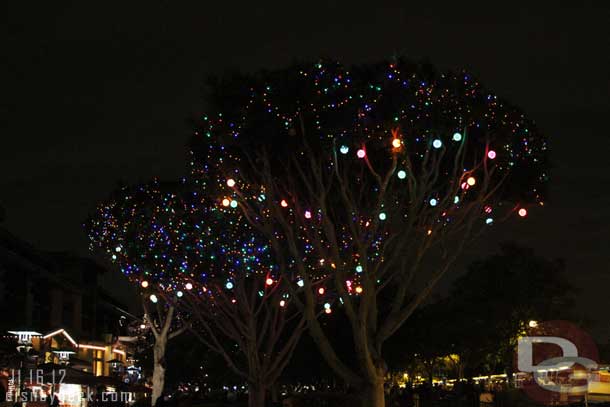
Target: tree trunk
pixel 373 394
pixel 159 368
pixel 256 395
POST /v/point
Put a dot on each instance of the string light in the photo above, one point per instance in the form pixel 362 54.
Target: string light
pixel 231 182
pixel 153 298
pixel 382 216
pixel 523 212
pixel 269 281
pixel 433 202
pixel 361 153
pixel 402 174
pixel 437 144
pixel 226 202
pixel 307 214
pixel 144 284
pixel 471 181
pixel 321 290
pixel 491 154
pixel 344 149
pixel 457 137
pixel 229 285
pixel 188 286
pixel 396 143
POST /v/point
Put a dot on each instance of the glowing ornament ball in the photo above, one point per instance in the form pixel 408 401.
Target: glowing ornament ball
pixel 321 290
pixel 437 143
pixel 188 286
pixel 491 154
pixel 307 214
pixel 144 284
pixel 284 203
pixel 471 181
pixel 231 182
pixel 269 281
pixel 344 149
pixel 396 143
pixel 361 153
pixel 401 174
pixel 522 212
pixel 359 290
pixel 457 137
pixel 226 202
pixel 282 303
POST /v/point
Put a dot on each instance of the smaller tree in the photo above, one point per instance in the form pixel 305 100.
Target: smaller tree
pixel 207 265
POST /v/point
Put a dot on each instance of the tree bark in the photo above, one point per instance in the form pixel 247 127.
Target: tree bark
pixel 256 395
pixel 373 394
pixel 159 368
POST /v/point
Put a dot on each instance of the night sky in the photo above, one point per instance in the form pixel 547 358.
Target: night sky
pixel 97 93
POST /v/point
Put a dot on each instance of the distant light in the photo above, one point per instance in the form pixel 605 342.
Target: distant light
pixel 402 174
pixel 233 204
pixel 142 326
pixel 523 212
pixel 179 294
pixel 188 286
pixel 269 281
pixel 361 153
pixel 489 221
pixel 321 290
pixel 144 284
pixel 491 154
pixel 344 149
pixel 307 214
pixel 229 285
pixel 382 216
pixel 226 202
pixel 117 249
pixel 153 298
pixel 231 182
pixel 471 181
pixel 457 137
pixel 433 202
pixel 284 203
pixel 300 283
pixel 533 324
pixel 437 143
pixel 396 143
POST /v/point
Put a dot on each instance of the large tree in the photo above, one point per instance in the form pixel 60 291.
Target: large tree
pixel 375 177
pixel 208 266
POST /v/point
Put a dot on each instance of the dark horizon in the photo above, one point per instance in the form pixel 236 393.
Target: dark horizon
pixel 101 95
